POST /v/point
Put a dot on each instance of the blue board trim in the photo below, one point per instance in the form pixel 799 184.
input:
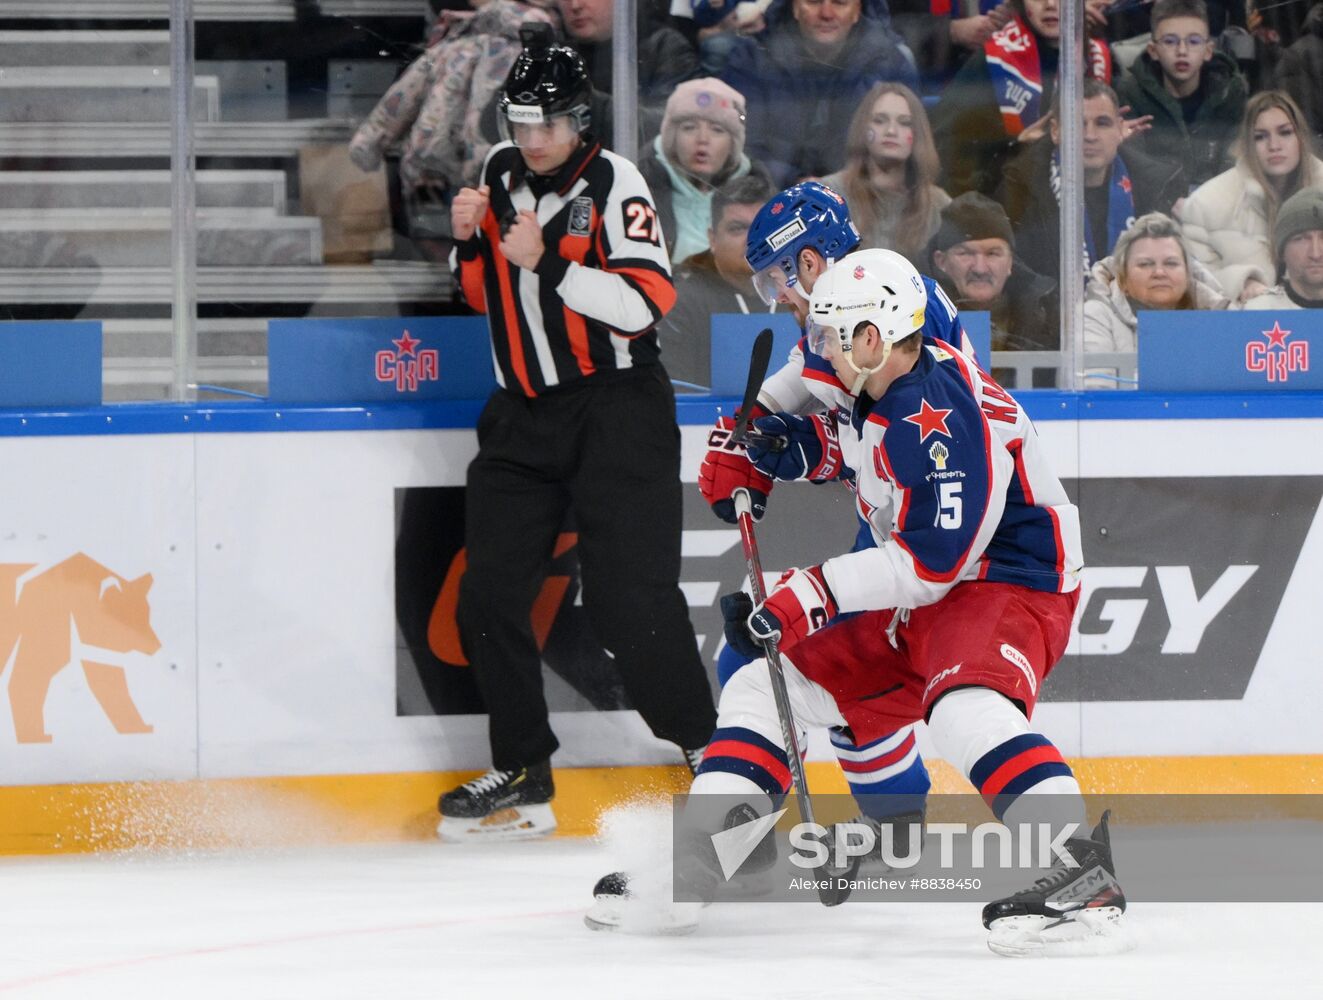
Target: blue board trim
pixel 255 417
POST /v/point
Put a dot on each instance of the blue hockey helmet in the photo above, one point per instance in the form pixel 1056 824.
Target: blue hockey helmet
pixel 808 214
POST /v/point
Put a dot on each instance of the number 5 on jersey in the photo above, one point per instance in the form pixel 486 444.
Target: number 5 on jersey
pixel 950 511
pixel 641 222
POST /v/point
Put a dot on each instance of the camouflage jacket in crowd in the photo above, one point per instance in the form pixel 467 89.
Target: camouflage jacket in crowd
pixel 440 98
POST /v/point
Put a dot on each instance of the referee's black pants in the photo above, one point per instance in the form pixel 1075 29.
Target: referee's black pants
pixel 607 450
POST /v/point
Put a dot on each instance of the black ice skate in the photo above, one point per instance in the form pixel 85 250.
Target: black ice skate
pixel 639 906
pixel 646 904
pixel 1069 911
pixel 500 805
pixel 905 831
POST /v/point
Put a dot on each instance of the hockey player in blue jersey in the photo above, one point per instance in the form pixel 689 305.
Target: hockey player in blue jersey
pixel 791 241
pixel 961 609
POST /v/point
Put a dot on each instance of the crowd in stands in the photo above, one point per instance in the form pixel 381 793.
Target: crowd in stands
pixel 938 122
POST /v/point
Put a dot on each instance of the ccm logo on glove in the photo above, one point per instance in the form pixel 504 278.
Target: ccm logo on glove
pixel 725 469
pixel 799 606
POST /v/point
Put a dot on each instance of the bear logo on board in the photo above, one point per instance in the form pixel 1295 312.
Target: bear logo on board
pixel 41 612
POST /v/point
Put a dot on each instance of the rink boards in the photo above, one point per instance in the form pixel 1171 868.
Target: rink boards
pixel 192 593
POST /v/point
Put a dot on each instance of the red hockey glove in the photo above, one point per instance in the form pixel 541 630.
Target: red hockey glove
pixel 796 609
pixel 725 469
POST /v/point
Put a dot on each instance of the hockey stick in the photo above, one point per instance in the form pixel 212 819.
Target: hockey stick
pixel 758 361
pixel 828 892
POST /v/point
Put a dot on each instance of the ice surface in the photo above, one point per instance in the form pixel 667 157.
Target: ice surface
pixel 505 921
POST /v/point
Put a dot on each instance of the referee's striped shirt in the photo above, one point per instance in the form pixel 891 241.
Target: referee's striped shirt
pixel 602 285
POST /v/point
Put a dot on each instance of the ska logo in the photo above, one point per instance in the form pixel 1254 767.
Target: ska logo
pixel 408 364
pixel 107 612
pixel 1277 359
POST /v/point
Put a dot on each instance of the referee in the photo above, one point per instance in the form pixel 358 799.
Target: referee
pixel 560 247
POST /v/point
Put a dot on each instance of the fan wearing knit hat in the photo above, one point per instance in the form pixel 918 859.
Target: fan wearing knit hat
pixel 973 258
pixel 701 146
pixel 1298 244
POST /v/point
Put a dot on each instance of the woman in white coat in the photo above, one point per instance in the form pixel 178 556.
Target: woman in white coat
pixel 1229 220
pixel 1150 268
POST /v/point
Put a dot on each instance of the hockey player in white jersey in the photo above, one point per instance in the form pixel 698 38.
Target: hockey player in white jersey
pixel 962 608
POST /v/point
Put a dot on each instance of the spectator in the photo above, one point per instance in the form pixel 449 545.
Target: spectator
pixel 665 57
pixel 718 280
pixel 701 146
pixel 1126 20
pixel 804 78
pixel 1118 185
pixel 1298 239
pixel 943 33
pixel 1195 95
pixel 721 23
pixel 1228 221
pixel 890 174
pixel 1000 92
pixel 1300 72
pixel 438 100
pixel 973 258
pixel 1151 269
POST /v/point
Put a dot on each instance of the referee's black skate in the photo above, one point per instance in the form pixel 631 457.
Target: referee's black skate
pixel 500 805
pixel 1071 910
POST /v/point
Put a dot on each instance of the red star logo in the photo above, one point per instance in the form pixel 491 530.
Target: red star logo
pixel 1126 185
pixel 776 209
pixel 929 421
pixel 405 345
pixel 1277 336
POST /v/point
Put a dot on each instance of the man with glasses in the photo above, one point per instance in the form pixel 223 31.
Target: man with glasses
pixel 1195 94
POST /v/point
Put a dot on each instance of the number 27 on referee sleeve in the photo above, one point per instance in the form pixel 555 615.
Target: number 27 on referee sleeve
pixel 641 222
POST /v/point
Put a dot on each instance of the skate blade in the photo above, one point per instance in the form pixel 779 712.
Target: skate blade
pixel 631 916
pixel 1089 932
pixel 516 823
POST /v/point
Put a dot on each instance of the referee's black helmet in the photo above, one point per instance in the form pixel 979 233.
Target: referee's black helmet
pixel 545 81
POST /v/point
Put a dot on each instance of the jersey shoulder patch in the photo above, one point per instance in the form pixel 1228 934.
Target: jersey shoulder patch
pixel 639 220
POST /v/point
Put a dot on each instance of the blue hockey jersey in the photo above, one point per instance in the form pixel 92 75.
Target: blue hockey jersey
pixel 954 485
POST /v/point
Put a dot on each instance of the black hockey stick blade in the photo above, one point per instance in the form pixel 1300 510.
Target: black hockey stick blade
pixel 759 359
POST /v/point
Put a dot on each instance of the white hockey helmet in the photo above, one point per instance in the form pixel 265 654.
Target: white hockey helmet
pixel 868 286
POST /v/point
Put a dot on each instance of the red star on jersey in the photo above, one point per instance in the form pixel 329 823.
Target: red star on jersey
pixel 929 421
pixel 406 345
pixel 1277 336
pixel 1126 185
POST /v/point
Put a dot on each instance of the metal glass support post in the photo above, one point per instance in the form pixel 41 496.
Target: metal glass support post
pixel 1071 84
pixel 625 79
pixel 183 217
